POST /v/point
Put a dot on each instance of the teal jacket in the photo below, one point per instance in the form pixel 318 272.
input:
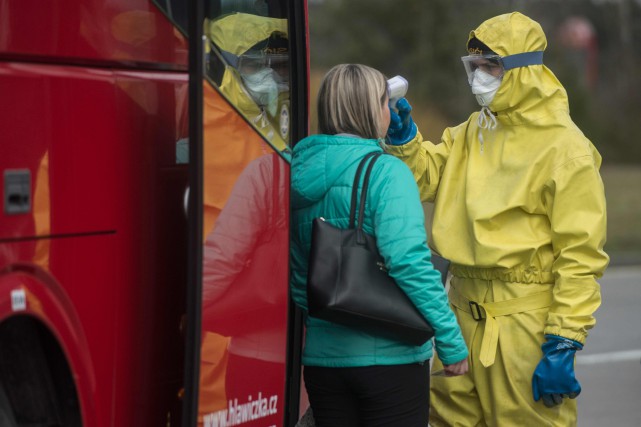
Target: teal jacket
pixel 322 174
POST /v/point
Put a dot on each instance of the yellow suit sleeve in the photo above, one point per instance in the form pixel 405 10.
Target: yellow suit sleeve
pixel 575 202
pixel 426 161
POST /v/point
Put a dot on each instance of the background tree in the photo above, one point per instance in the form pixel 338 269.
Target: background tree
pixel 423 41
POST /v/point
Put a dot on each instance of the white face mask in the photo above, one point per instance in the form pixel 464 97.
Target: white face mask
pixel 484 86
pixel 263 88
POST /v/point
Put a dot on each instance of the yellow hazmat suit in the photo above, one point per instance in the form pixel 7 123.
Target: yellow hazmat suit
pixel 521 215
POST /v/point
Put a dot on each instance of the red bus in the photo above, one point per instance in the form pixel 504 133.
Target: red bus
pixel 144 148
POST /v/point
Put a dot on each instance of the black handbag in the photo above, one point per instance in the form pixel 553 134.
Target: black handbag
pixel 347 282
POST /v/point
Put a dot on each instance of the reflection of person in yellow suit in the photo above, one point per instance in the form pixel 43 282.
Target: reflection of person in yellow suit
pixel 254 50
pixel 248 60
pixel 21 200
pixel 248 65
pixel 42 212
pixel 245 289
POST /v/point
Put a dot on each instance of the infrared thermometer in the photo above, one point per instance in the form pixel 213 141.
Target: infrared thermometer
pixel 396 89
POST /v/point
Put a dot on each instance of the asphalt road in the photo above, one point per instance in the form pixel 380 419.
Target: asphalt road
pixel 609 367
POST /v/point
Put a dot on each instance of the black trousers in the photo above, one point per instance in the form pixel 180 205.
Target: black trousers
pixel 370 396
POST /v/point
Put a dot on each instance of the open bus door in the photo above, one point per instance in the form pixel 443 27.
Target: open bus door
pixel 248 95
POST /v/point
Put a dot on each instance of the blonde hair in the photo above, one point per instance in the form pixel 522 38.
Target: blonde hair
pixel 350 100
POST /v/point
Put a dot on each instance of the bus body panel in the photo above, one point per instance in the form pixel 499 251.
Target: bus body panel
pixel 106 220
pixel 94 116
pixel 124 31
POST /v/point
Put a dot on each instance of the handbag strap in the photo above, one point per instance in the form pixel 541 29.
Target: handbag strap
pixel 357 177
pixel 352 209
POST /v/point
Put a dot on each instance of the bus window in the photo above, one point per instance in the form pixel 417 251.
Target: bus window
pixel 245 213
pixel 248 61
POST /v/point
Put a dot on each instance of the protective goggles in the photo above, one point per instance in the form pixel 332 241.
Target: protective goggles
pixel 497 65
pixel 250 63
pixel 279 63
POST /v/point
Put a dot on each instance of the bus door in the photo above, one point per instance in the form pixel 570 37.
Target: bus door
pixel 248 104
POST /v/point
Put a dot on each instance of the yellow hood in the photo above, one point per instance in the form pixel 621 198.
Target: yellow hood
pixel 527 94
pixel 238 32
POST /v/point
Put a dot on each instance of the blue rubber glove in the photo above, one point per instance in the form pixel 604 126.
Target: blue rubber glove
pixel 401 127
pixel 554 376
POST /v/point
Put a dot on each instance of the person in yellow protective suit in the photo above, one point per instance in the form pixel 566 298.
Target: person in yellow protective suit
pixel 520 212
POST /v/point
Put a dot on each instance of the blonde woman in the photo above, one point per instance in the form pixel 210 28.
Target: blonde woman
pixel 353 377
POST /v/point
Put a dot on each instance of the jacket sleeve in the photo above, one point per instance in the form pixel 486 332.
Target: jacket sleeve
pixel 402 241
pixel 575 203
pixel 426 161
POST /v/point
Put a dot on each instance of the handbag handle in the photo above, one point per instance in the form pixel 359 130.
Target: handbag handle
pixel 361 210
pixel 352 208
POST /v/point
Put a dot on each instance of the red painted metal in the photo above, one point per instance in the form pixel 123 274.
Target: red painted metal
pixel 48 302
pixel 94 105
pixel 102 252
pixel 90 31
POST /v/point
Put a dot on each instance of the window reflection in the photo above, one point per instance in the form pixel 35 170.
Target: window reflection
pixel 245 210
pixel 247 53
pixel 248 60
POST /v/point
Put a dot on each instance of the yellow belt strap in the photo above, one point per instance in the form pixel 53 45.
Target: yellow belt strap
pixel 489 310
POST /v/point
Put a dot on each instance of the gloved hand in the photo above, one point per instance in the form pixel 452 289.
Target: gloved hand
pixel 554 376
pixel 401 128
